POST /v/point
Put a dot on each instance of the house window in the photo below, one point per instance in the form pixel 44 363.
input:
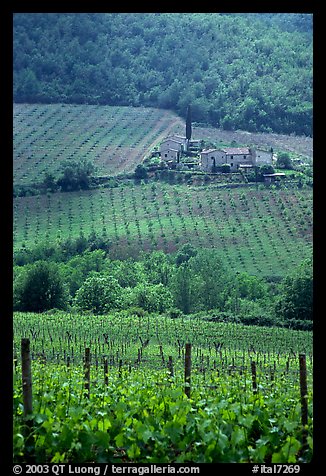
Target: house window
pixel 231 157
pixel 231 164
pixel 165 155
pixel 213 158
pixel 244 156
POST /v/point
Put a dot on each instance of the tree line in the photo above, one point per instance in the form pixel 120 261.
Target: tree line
pixel 239 71
pixel 79 275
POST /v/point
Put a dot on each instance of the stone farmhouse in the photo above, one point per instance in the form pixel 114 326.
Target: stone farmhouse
pixel 237 157
pixel 172 147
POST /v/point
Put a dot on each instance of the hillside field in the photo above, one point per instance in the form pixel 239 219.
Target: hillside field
pixel 114 138
pixel 264 232
pixel 135 403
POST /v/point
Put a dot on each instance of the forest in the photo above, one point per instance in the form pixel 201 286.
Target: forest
pixel 78 275
pixel 239 71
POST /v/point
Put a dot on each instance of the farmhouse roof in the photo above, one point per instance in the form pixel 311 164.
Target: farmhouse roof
pixel 171 139
pixel 279 174
pixel 236 150
pixel 208 151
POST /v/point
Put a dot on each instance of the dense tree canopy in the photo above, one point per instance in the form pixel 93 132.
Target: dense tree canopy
pixel 238 71
pixel 190 281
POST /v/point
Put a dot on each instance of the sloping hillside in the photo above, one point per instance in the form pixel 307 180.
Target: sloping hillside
pixel 264 232
pixel 239 71
pixel 115 139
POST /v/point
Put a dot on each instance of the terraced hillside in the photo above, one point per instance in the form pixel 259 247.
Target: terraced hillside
pixel 264 232
pixel 115 139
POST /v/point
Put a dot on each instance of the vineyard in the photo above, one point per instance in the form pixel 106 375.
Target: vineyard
pixel 264 232
pixel 114 139
pixel 124 388
pixel 144 388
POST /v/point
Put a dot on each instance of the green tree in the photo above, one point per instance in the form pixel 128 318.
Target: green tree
pixel 262 170
pixel 78 268
pixel 184 254
pixel 41 288
pixel 250 287
pixel 99 294
pixel 296 298
pixel 151 297
pixel 284 161
pixel 215 284
pixel 76 175
pixel 188 124
pixel 157 267
pixel 128 272
pixel 140 172
pixel 49 182
pixel 183 288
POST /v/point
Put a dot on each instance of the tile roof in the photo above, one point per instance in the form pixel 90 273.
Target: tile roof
pixel 236 150
pixel 209 151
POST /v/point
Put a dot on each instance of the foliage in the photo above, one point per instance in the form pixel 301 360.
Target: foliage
pixel 141 59
pixel 99 294
pixel 213 278
pixel 284 161
pixel 261 170
pixel 150 297
pixel 184 253
pixel 62 249
pixel 185 289
pixel 250 287
pixel 40 288
pixel 76 175
pixel 140 172
pixel 296 297
pixel 141 414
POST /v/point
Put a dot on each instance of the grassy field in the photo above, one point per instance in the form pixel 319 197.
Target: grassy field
pixel 264 232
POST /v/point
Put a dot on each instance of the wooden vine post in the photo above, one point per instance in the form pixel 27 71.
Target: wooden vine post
pixel 188 370
pixel 26 377
pixel 170 366
pixel 304 397
pixel 87 370
pixel 254 376
pixel 106 371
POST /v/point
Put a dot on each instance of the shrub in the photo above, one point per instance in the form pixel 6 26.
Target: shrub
pixel 99 294
pixel 40 288
pixel 284 161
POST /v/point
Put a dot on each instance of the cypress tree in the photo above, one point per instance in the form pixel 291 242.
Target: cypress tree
pixel 188 123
